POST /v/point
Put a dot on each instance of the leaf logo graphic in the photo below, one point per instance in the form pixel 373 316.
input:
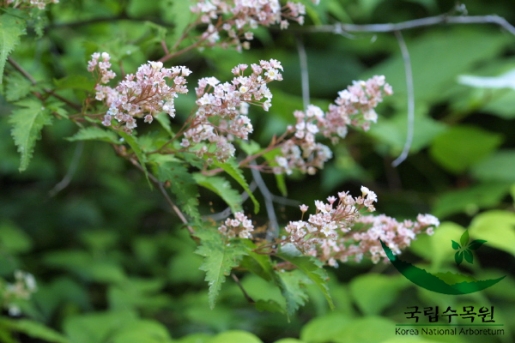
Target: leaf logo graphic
pixel 465 249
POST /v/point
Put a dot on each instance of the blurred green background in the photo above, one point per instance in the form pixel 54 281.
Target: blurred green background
pixel 107 252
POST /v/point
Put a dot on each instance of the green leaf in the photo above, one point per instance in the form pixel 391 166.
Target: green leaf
pixel 75 81
pixel 499 166
pixel 468 256
pixel 95 133
pixel 250 147
pixel 219 259
pixel 470 199
pixel 259 264
pixel 314 270
pixel 497 227
pixel 27 123
pixel 133 143
pixel 393 130
pixel 142 331
pixel 232 168
pixel 269 306
pixel 13 240
pixel 34 330
pixel 460 147
pixel 11 28
pixel 375 292
pixel 324 328
pixel 455 245
pixel 183 185
pixel 163 119
pixel 235 336
pixel 464 238
pixel 458 257
pixel 178 12
pixel 369 329
pixel 452 51
pixel 83 264
pixel 292 285
pixel 17 87
pixel 475 244
pixel 97 327
pixel 222 188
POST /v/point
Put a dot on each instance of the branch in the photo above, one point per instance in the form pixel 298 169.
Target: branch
pixel 303 61
pixel 33 81
pixel 163 191
pixel 411 99
pixel 245 294
pixel 273 231
pixel 71 170
pixel 342 29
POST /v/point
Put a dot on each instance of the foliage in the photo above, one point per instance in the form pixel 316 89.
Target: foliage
pixel 147 213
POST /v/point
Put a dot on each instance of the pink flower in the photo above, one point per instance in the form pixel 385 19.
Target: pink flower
pixel 143 94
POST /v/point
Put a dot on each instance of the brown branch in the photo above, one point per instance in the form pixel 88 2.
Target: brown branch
pixel 163 191
pixel 245 294
pixel 33 81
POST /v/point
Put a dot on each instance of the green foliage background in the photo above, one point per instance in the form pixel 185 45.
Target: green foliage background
pixel 113 264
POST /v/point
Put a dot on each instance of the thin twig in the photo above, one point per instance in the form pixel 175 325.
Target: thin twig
pixel 22 71
pixel 304 73
pixel 341 28
pixel 245 294
pixel 71 170
pixel 227 211
pixel 411 99
pixel 163 191
pixel 33 81
pixel 273 230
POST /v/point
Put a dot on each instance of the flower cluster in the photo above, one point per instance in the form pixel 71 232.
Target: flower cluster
pixel 235 18
pixel 338 231
pixel 41 4
pixel 143 94
pixel 240 227
pixel 22 288
pixel 222 108
pixel 353 107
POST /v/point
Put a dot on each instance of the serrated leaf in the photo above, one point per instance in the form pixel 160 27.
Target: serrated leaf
pixel 231 168
pixel 94 133
pixel 259 264
pixel 222 188
pixel 475 244
pixel 183 185
pixel 27 123
pixel 464 238
pixel 74 81
pixel 455 245
pixel 179 12
pixel 292 285
pixel 269 306
pixel 314 270
pixel 458 257
pixel 468 256
pixel 34 330
pixel 133 143
pixel 11 28
pixel 250 147
pixel 17 87
pixel 219 259
pixel 163 119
